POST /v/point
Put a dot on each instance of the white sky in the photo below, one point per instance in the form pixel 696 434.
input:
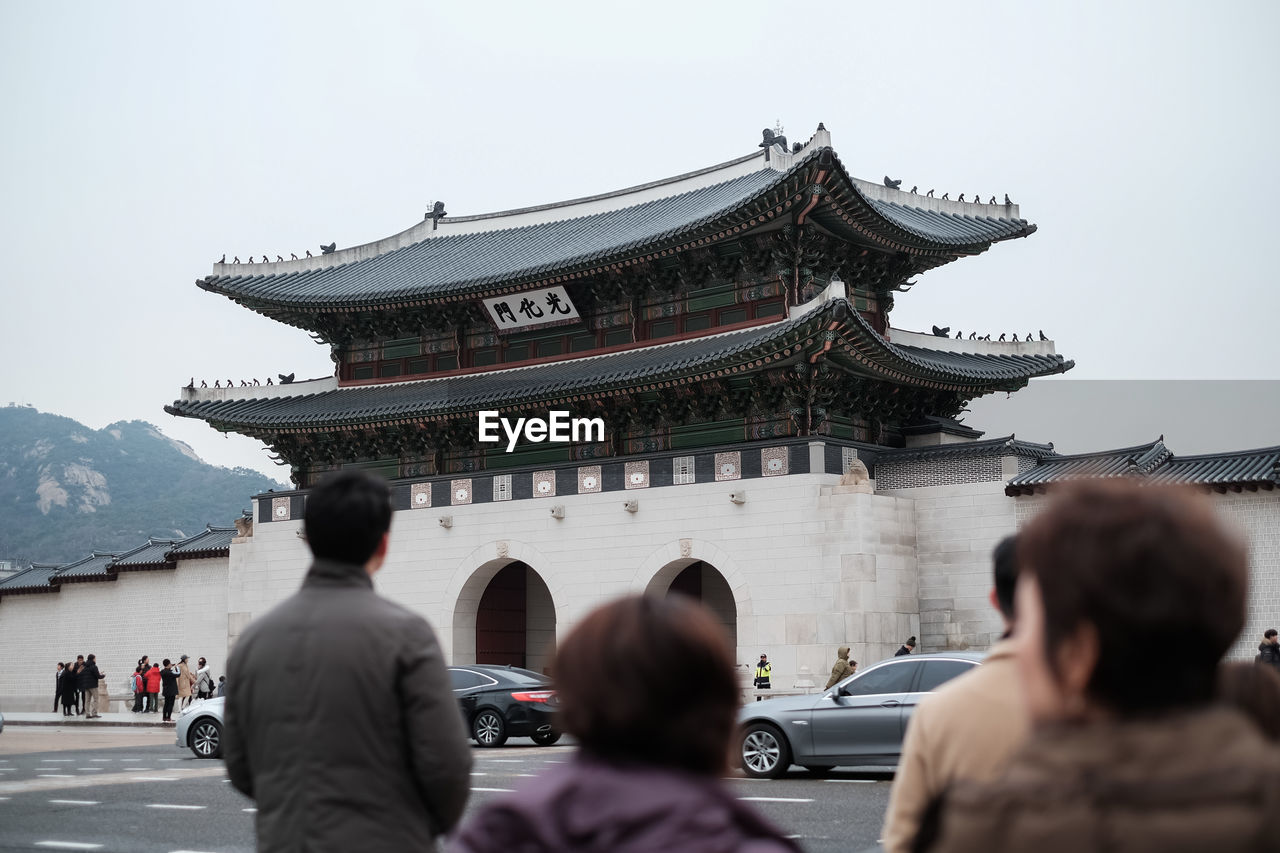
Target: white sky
pixel 143 140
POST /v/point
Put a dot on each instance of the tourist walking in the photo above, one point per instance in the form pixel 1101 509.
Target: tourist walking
pixel 906 648
pixel 1124 755
pixel 1269 649
pixel 395 772
pixel 57 687
pixel 153 680
pixel 88 681
pixel 169 687
pixel 204 681
pixel 842 669
pixel 186 682
pixel 69 690
pixel 654 741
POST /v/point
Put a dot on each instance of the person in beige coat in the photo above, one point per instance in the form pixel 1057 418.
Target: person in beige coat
pixel 968 729
pixel 186 682
pixel 1124 755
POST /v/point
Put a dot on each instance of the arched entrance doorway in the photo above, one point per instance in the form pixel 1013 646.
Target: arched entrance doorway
pixel 703 581
pixel 515 619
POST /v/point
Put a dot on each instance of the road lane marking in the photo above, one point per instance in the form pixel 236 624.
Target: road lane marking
pixel 55 776
pixel 863 781
pixel 76 802
pixel 250 811
pixel 90 769
pixel 155 778
pixel 55 782
pixel 188 851
pixel 172 759
pixel 68 845
pixel 775 800
pixel 496 790
pixel 57 760
pixel 474 773
pixel 173 806
pixel 102 760
pixel 505 760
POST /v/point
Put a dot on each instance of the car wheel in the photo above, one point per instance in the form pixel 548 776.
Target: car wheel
pixel 489 729
pixel 765 753
pixel 818 769
pixel 545 738
pixel 205 738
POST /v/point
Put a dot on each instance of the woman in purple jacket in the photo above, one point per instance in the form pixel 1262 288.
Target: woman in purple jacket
pixel 654 735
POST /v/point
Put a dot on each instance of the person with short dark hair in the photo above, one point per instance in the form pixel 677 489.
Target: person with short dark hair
pixel 907 648
pixel 654 740
pixel 342 724
pixel 1124 755
pixel 968 729
pixel 88 679
pixel 1255 691
pixel 169 677
pixel 57 687
pixel 1269 649
pixel 69 688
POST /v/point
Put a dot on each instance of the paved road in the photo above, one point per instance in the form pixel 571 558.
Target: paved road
pixel 137 793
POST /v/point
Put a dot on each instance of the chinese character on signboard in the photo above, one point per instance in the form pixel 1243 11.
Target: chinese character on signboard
pixel 532 308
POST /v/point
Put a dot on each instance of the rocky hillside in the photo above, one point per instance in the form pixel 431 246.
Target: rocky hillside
pixel 66 489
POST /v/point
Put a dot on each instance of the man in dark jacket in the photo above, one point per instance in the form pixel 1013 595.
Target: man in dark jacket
pixel 1269 649
pixel 907 648
pixel 342 724
pixel 88 679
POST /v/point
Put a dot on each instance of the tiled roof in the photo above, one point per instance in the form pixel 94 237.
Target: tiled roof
pixel 153 554
pixel 442 265
pixel 1155 463
pixel 563 379
pixel 212 541
pixel 34 579
pixel 96 566
pixel 1005 446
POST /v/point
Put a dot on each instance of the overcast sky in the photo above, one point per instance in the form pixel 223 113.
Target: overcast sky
pixel 143 140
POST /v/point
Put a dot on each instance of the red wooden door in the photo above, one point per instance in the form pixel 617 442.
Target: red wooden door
pixel 500 622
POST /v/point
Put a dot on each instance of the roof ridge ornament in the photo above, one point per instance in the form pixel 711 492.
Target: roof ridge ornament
pixel 436 214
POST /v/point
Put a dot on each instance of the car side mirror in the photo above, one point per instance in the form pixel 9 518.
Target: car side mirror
pixel 842 691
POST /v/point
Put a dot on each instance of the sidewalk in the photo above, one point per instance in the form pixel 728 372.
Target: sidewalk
pixel 128 718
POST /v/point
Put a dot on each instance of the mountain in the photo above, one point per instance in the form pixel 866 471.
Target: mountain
pixel 66 489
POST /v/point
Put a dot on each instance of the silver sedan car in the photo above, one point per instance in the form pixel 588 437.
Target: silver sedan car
pixel 200 727
pixel 858 722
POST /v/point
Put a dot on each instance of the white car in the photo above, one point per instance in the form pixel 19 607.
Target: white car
pixel 200 727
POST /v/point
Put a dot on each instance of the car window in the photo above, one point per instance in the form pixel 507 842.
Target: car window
pixel 936 672
pixel 465 679
pixel 890 678
pixel 525 676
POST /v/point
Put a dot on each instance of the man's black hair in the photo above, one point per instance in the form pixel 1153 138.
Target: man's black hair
pixel 1006 574
pixel 1269 633
pixel 346 517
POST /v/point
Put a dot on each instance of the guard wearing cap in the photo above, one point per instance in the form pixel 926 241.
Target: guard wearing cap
pixel 762 672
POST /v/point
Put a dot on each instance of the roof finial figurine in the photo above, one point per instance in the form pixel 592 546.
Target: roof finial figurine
pixel 973 336
pixel 192 383
pixel 945 331
pixel 215 384
pixel 285 380
pixel 309 255
pixel 891 183
pixel 1002 336
pixel 437 213
pixel 1029 338
pixel 1006 199
pixel 223 259
pixel 293 256
pixel 204 383
pixel 797 147
pixel 329 249
pixel 929 194
pixel 280 259
pixel 913 189
pixel 1042 337
pixel 256 383
pixel 236 260
pixel 269 382
pixel 946 196
pixel 959 199
pixel 230 384
pixel 821 126
pixel 772 138
pixel 993 200
pixel 959 335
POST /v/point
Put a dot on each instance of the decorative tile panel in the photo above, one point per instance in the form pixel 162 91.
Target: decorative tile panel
pixel 420 495
pixel 460 492
pixel 682 470
pixel 774 461
pixel 281 509
pixel 588 479
pixel 502 487
pixel 636 475
pixel 728 466
pixel 544 484
pixel 847 457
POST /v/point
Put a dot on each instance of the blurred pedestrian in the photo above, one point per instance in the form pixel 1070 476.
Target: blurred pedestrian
pixel 1124 755
pixel 77 670
pixel 186 682
pixel 57 687
pixel 843 668
pixel 88 680
pixel 395 769
pixel 969 728
pixel 654 741
pixel 169 687
pixel 222 686
pixel 906 648
pixel 139 683
pixel 1253 690
pixel 1269 649
pixel 204 681
pixel 69 689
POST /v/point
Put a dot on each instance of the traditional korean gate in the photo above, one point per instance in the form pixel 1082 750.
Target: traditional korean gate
pixel 703 581
pixel 501 619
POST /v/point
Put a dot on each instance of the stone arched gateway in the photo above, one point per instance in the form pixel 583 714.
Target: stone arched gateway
pixel 504 614
pixel 700 580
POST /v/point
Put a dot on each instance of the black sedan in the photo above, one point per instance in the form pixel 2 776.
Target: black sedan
pixel 858 722
pixel 505 701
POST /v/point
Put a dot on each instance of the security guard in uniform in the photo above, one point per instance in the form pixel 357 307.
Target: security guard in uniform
pixel 762 672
